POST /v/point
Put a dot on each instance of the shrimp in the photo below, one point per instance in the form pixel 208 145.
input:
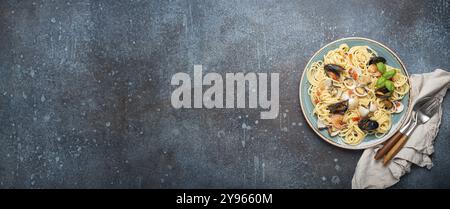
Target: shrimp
pixel 374 70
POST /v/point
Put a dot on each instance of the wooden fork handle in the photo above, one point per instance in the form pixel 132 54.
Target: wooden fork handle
pixel 388 145
pixel 397 147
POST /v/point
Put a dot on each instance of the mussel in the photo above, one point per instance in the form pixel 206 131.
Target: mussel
pixel 338 108
pixel 333 71
pixel 383 93
pixel 375 60
pixel 367 125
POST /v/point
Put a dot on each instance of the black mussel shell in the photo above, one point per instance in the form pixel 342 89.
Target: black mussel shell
pixel 375 60
pixel 338 108
pixel 382 93
pixel 333 71
pixel 367 125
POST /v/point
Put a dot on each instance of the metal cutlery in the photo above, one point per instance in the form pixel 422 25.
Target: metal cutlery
pixel 420 116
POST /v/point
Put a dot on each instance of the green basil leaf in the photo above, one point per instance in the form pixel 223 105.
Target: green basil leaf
pixel 389 74
pixel 381 67
pixel 380 82
pixel 389 85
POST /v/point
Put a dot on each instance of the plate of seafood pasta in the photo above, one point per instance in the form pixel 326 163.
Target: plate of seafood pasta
pixel 354 93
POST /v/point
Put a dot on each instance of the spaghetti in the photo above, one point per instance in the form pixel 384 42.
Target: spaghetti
pixel 355 93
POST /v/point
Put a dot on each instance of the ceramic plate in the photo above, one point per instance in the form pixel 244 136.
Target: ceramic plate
pixel 307 106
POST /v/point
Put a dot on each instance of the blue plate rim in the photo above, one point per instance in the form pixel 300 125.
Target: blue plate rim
pixel 387 136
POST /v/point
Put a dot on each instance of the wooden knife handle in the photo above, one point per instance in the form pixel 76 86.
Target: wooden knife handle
pixel 388 145
pixel 397 147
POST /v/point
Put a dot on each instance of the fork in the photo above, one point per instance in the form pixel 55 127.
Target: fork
pixel 396 137
pixel 423 115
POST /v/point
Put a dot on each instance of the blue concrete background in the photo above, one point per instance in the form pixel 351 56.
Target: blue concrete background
pixel 85 91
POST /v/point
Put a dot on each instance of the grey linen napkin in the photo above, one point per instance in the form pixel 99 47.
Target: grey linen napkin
pixel 371 174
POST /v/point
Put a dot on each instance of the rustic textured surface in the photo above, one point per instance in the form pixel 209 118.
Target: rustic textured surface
pixel 85 91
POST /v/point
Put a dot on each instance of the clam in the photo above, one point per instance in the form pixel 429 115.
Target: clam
pixel 372 107
pixel 332 132
pixel 383 93
pixel 321 125
pixel 360 91
pixel 338 108
pixel 389 105
pixel 349 83
pixel 333 71
pixel 328 83
pixel 353 103
pixel 333 91
pixel 398 106
pixel 363 112
pixel 345 96
pixel 367 124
